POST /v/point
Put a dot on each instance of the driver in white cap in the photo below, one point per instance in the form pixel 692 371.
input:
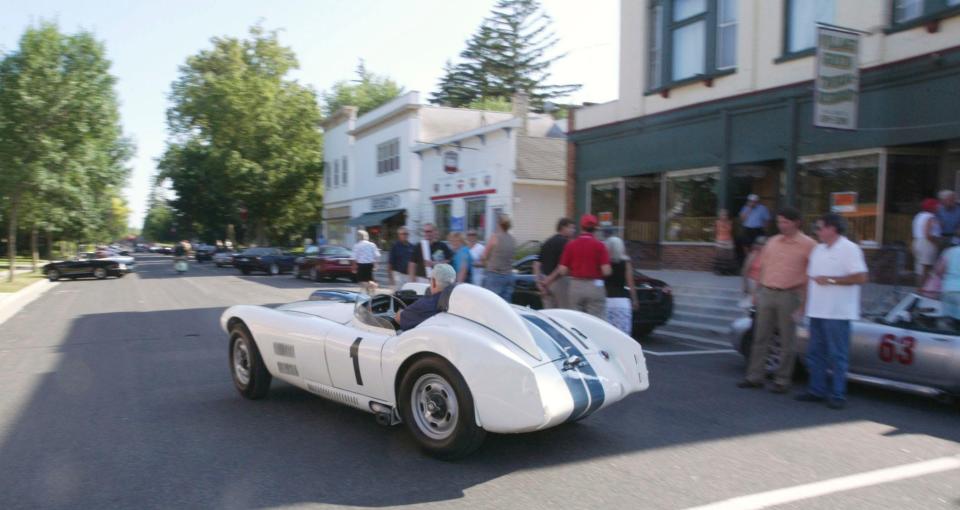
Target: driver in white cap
pixel 422 309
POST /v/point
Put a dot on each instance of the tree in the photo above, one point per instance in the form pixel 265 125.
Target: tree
pixel 61 145
pixel 508 53
pixel 367 92
pixel 243 138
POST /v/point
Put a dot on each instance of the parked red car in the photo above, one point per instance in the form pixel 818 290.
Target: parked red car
pixel 325 262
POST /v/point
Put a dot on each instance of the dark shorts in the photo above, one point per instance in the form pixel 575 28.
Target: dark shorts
pixel 364 272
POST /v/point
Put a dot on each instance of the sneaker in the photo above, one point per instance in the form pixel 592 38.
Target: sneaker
pixel 808 397
pixel 746 383
pixel 779 388
pixel 836 403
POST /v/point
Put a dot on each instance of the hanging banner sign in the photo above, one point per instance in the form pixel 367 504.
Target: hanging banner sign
pixel 837 92
pixel 843 202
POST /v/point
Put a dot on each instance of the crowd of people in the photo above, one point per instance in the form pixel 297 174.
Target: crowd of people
pixel 581 273
pixel 936 251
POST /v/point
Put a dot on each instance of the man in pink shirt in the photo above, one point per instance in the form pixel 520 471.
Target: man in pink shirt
pixel 780 300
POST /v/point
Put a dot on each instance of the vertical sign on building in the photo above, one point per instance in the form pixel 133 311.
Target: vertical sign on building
pixel 837 91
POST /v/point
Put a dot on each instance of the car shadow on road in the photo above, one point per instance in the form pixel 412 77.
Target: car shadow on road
pixel 139 410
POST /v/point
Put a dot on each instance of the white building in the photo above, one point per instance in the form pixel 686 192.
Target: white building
pixel 372 178
pixel 512 167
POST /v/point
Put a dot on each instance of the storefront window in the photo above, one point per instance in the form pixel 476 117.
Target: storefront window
pixel 605 203
pixel 441 217
pixel 910 179
pixel 337 232
pixel 691 208
pixel 476 216
pixel 847 186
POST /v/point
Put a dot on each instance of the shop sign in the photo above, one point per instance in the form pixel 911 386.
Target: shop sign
pixel 451 162
pixel 456 223
pixel 605 218
pixel 837 91
pixel 385 202
pixel 843 202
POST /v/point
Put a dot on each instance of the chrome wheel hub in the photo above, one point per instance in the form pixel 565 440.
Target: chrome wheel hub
pixel 241 361
pixel 435 407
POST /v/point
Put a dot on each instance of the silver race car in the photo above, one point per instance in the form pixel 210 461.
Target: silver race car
pixel 913 347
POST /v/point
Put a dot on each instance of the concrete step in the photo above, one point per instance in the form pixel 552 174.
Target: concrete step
pixel 716 301
pixel 690 290
pixel 704 320
pixel 710 339
pixel 726 312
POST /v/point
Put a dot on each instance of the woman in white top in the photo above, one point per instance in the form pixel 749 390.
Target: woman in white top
pixel 365 256
pixel 926 234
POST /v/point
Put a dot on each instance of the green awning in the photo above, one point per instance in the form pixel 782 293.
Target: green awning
pixel 372 219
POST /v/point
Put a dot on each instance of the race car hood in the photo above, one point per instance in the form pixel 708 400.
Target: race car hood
pixel 337 311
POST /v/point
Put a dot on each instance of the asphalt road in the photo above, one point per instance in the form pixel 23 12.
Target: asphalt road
pixel 117 394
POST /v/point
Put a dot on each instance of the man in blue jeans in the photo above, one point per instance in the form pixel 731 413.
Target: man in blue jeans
pixel 837 269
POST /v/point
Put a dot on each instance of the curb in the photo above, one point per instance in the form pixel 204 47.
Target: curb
pixel 21 298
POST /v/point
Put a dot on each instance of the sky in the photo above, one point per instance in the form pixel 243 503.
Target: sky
pixel 407 40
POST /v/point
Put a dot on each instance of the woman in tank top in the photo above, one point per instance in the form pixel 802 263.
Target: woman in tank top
pixel 498 260
pixel 621 291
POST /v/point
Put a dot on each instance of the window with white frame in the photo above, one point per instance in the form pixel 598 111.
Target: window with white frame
pixel 343 171
pixel 906 11
pixel 690 39
pixel 388 156
pixel 326 173
pixel 801 23
pixel 336 173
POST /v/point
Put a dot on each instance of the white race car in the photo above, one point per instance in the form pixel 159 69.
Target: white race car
pixel 479 365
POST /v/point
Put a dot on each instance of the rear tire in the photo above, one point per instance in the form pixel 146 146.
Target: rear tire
pixel 250 375
pixel 296 272
pixel 53 275
pixel 273 270
pixel 437 406
pixel 245 271
pixel 100 273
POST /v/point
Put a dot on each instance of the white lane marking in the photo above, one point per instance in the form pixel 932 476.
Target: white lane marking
pixel 690 353
pixel 845 483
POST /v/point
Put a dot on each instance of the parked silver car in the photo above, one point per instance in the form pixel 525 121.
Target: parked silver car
pixel 912 348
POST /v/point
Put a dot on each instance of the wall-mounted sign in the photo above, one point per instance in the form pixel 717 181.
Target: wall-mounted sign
pixel 385 202
pixel 605 218
pixel 836 96
pixel 843 202
pixel 456 223
pixel 451 162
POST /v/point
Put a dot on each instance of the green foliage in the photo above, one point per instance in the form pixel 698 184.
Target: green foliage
pixel 158 223
pixel 62 152
pixel 508 53
pixel 367 92
pixel 245 141
pixel 493 104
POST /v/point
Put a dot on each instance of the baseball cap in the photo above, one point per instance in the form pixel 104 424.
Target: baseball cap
pixel 752 197
pixel 588 221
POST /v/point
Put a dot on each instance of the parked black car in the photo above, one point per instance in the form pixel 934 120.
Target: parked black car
pixel 655 296
pixel 82 266
pixel 272 261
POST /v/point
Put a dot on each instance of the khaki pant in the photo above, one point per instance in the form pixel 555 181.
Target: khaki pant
pixel 775 309
pixel 586 296
pixel 559 290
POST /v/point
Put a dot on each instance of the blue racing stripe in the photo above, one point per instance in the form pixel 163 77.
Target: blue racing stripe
pixel 585 372
pixel 578 392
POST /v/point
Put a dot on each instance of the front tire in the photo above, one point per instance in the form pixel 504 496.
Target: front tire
pixel 100 273
pixel 437 406
pixel 53 275
pixel 245 271
pixel 273 270
pixel 314 274
pixel 250 375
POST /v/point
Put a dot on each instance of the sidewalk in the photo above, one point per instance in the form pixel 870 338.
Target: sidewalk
pixel 13 302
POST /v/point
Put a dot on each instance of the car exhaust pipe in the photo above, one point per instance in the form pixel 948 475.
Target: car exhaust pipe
pixel 384 414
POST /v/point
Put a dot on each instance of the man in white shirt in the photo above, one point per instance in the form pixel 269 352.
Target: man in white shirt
pixel 365 256
pixel 837 269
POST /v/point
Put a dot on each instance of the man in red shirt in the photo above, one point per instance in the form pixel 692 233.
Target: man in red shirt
pixel 586 261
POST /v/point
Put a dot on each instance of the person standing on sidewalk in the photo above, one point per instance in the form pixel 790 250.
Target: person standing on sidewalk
pixel 427 253
pixel 476 255
pixel 498 260
pixel 783 278
pixel 587 262
pixel 399 259
pixel 620 288
pixel 754 217
pixel 837 269
pixel 365 256
pixel 554 296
